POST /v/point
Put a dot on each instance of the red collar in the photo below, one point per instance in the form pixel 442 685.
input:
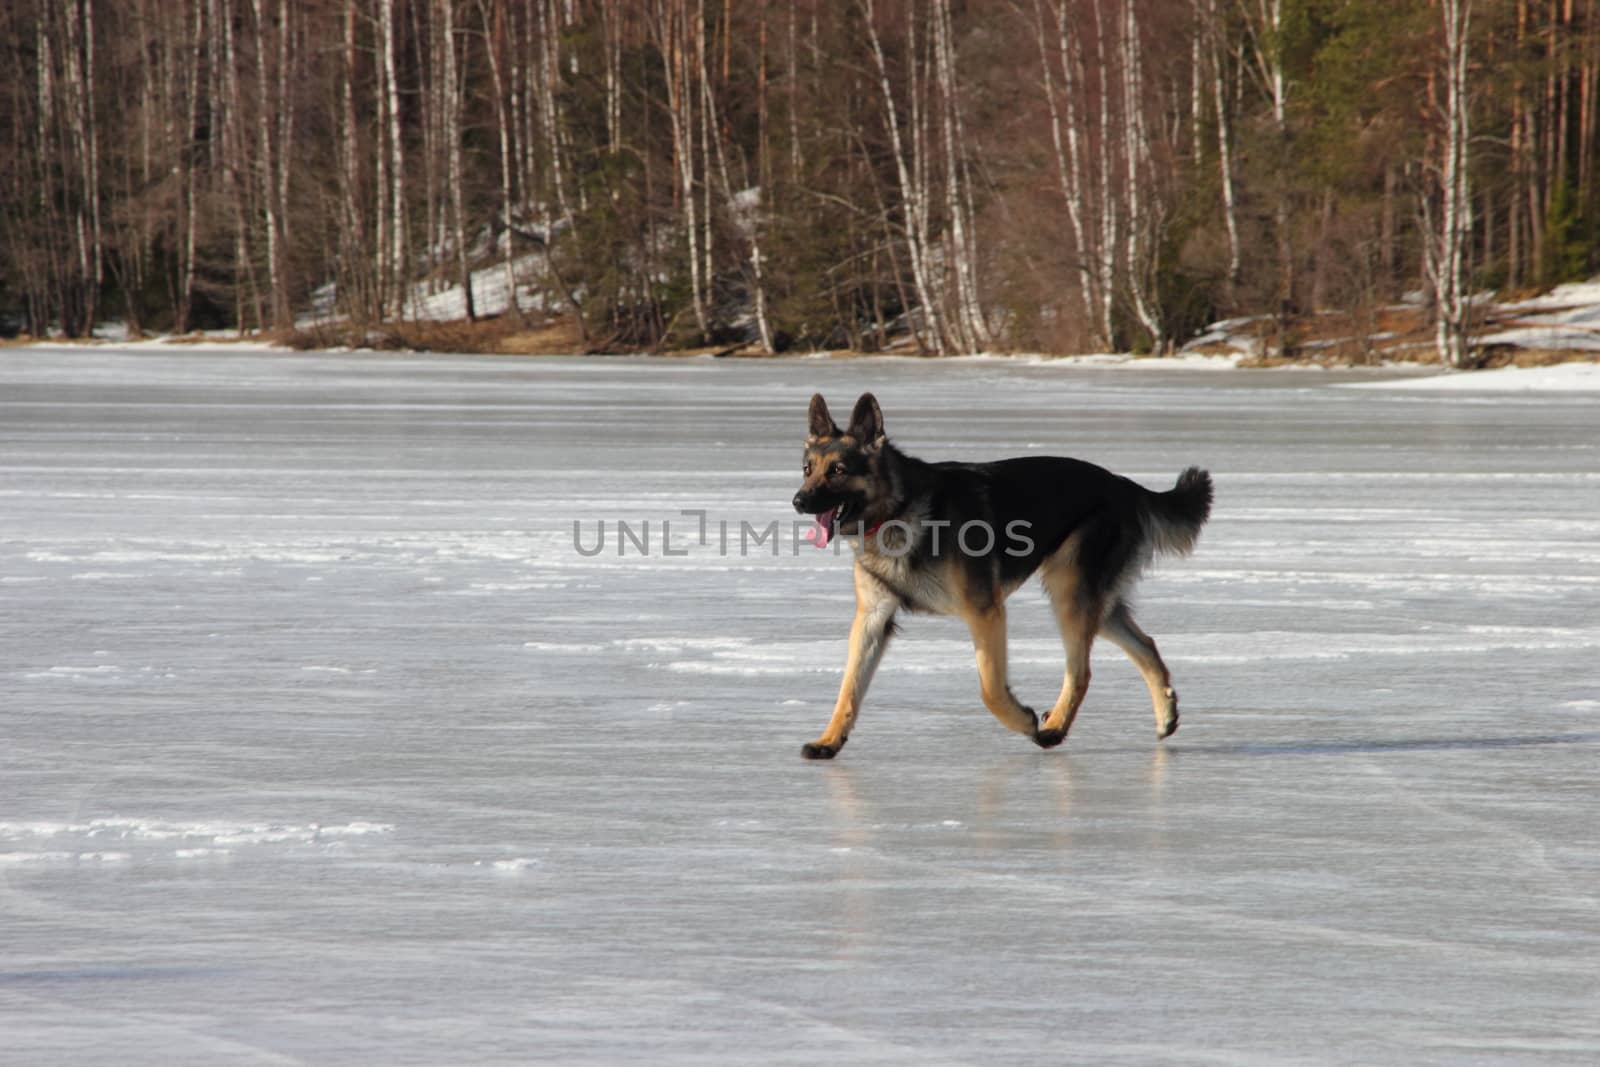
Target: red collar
pixel 875 527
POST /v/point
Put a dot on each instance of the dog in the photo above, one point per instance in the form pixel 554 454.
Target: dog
pixel 959 538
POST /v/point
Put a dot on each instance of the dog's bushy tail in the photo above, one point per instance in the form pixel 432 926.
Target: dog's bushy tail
pixel 1174 518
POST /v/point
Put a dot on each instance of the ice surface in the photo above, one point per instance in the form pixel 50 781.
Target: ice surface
pixel 321 743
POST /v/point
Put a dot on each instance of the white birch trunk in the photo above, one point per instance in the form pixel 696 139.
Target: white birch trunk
pixel 549 105
pixel 714 126
pixel 46 198
pixel 430 95
pixel 91 136
pixel 381 190
pixel 764 180
pixel 919 209
pixel 494 36
pixel 1197 104
pixel 1064 136
pixel 1272 58
pixel 1106 261
pixel 78 85
pixel 974 329
pixel 1141 229
pixel 1230 204
pixel 704 83
pixel 612 17
pixel 233 162
pixel 268 171
pixel 399 267
pixel 186 267
pixel 515 75
pixel 285 107
pixel 794 93
pixel 911 193
pixel 349 177
pixel 1450 286
pixel 674 34
pixel 452 136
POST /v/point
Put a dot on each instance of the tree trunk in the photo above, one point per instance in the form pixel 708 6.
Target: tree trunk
pixel 913 202
pixel 974 329
pixel 673 33
pixel 189 168
pixel 1064 129
pixel 1230 203
pixel 1109 228
pixel 398 252
pixel 703 80
pixel 272 209
pixel 494 34
pixel 1451 304
pixel 1144 225
pixel 452 136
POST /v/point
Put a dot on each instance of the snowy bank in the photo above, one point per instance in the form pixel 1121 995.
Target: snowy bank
pixel 1560 378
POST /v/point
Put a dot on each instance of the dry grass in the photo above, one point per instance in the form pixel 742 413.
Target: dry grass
pixel 1394 333
pixel 500 335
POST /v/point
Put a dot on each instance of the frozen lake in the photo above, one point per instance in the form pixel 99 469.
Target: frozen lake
pixel 321 743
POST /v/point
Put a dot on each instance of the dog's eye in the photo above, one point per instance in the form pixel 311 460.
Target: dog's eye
pixel 838 470
pixel 806 470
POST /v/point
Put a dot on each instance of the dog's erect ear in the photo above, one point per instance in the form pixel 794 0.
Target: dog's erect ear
pixel 866 422
pixel 822 424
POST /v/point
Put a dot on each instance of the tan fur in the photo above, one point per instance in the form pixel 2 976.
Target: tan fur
pixel 1126 635
pixel 989 642
pixel 869 636
pixel 1078 623
pixel 943 591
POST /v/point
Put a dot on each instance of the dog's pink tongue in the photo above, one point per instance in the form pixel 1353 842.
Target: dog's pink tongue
pixel 822 532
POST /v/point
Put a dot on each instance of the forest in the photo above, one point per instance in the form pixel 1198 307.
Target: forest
pixel 941 176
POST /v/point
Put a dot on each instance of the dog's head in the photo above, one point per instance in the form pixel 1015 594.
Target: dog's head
pixel 840 467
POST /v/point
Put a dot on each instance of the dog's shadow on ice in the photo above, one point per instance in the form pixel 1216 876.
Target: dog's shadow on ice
pixel 1367 746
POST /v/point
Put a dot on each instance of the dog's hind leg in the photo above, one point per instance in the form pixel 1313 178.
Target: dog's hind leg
pixel 869 636
pixel 1078 622
pixel 989 642
pixel 1126 634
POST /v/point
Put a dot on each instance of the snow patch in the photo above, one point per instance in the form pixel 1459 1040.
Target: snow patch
pixel 150 837
pixel 1559 378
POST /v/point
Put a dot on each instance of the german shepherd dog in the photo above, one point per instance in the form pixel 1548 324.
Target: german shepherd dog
pixel 958 538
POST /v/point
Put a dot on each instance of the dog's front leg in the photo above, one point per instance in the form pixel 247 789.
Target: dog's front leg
pixel 869 636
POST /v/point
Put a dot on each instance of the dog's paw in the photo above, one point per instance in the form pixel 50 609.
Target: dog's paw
pixel 1049 738
pixel 1167 723
pixel 816 750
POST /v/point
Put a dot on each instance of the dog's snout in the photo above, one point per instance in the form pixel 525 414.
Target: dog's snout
pixel 799 500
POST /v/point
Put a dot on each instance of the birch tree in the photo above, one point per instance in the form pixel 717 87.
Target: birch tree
pixel 1211 55
pixel 395 252
pixel 452 136
pixel 268 171
pixel 198 74
pixel 1264 23
pixel 672 39
pixel 82 144
pixel 1143 209
pixel 913 190
pixel 961 245
pixel 1447 247
pixel 492 14
pixel 1058 47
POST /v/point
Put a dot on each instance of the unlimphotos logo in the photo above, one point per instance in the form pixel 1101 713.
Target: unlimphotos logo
pixel 895 538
